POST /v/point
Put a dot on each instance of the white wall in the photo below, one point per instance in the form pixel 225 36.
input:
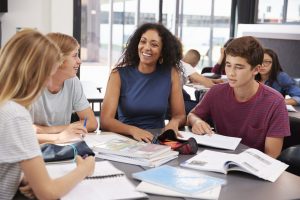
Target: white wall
pixel 44 15
pixel 275 31
pixel 62 16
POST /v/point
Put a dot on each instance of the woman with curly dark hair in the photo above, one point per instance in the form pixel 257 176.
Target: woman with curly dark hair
pixel 145 83
pixel 271 74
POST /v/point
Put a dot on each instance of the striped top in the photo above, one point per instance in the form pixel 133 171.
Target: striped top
pixel 264 115
pixel 17 142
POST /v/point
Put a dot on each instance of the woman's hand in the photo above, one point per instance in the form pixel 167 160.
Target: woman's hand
pixel 141 135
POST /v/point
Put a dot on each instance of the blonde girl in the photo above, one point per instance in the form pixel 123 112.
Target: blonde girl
pixel 26 63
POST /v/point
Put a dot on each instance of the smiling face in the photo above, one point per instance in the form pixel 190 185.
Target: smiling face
pixel 239 72
pixel 265 68
pixel 149 48
pixel 71 64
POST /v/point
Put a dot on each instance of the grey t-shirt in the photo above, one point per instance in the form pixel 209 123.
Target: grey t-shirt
pixel 56 109
pixel 17 142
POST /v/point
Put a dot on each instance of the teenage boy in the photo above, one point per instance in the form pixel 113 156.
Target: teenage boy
pixel 243 107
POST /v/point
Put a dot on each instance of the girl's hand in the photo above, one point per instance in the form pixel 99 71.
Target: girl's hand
pixel 87 164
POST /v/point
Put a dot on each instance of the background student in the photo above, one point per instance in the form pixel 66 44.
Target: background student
pixel 190 74
pixel 219 67
pixel 52 111
pixel 26 62
pixel 271 74
pixel 145 83
pixel 243 107
pixel 189 62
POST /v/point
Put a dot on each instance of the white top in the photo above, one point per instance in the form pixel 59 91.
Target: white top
pixel 187 71
pixel 56 109
pixel 17 142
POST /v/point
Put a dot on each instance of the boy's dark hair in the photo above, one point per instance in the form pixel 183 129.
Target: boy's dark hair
pixel 171 49
pixel 248 48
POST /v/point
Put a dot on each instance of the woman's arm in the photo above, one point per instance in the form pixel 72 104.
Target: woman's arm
pixel 46 188
pixel 290 87
pixel 217 68
pixel 109 109
pixel 178 117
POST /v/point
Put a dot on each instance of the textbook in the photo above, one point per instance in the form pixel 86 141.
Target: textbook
pixel 101 185
pixel 124 146
pixel 251 161
pixel 213 140
pixel 290 108
pixel 178 179
pixel 213 193
pixel 153 162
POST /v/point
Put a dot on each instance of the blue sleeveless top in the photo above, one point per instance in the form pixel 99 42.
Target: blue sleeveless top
pixel 144 98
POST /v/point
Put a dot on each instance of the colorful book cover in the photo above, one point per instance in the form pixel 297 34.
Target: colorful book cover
pixel 178 179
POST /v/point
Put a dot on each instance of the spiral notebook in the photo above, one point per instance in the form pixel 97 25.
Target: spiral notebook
pixel 101 185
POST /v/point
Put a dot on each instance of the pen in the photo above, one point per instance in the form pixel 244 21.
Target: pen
pixel 84 123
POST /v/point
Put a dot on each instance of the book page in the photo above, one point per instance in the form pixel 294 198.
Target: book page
pixel 261 164
pixel 107 179
pixel 209 161
pixel 214 140
pixel 290 108
pixel 102 168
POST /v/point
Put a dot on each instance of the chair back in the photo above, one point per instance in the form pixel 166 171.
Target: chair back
pixel 206 70
pixel 291 156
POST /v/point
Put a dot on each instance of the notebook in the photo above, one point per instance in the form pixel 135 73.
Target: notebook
pixel 213 140
pixel 213 193
pixel 179 180
pixel 101 185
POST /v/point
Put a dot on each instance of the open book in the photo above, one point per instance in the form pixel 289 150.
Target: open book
pixel 102 185
pixel 251 161
pixel 214 140
pixel 178 179
pixel 120 145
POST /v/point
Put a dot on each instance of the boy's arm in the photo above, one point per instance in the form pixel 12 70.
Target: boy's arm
pixel 198 125
pixel 273 146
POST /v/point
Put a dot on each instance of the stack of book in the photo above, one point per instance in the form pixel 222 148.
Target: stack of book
pixel 115 147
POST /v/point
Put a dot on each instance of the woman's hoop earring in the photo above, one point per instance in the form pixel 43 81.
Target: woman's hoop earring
pixel 161 60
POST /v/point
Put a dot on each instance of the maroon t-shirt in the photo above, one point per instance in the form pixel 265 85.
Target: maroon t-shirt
pixel 264 115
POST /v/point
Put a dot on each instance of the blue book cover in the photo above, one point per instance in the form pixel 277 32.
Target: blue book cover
pixel 178 179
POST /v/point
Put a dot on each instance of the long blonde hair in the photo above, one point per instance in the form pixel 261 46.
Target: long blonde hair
pixel 26 62
pixel 66 43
